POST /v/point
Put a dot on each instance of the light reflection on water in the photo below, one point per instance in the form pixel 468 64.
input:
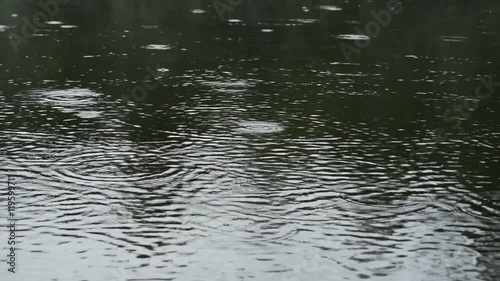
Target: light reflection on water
pixel 265 155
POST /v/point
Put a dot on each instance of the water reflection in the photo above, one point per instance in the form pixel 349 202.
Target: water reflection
pixel 263 155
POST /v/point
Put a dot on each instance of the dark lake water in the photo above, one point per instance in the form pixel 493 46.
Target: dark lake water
pixel 193 140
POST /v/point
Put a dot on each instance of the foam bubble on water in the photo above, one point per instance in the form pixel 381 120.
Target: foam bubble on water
pixel 352 37
pixel 454 38
pixel 330 8
pixel 158 47
pixel 304 20
pixel 198 11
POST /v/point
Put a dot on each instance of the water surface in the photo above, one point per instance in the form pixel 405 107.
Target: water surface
pixel 260 151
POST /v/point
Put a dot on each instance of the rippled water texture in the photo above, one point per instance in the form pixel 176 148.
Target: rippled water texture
pixel 156 140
